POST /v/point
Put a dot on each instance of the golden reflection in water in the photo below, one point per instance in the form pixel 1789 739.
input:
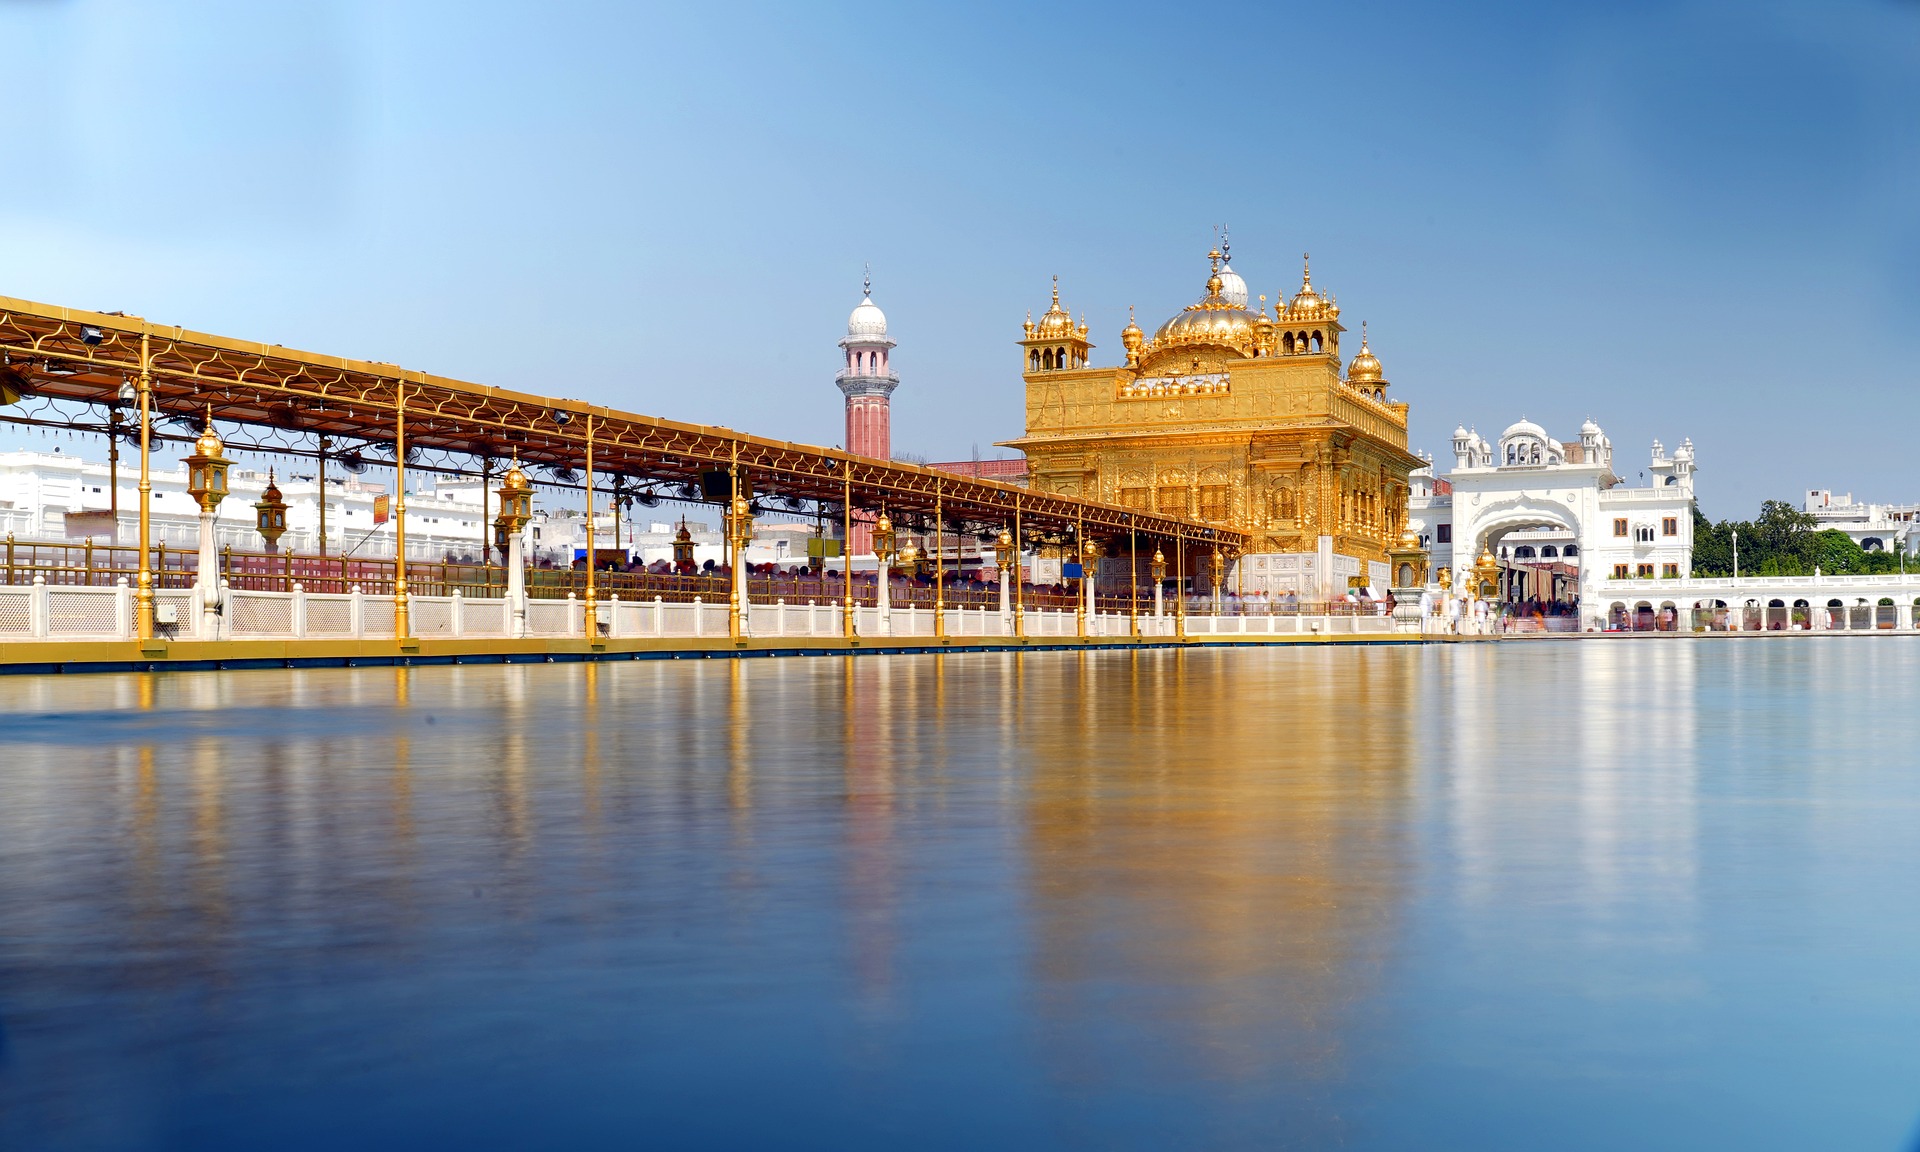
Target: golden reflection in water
pixel 1234 810
pixel 590 751
pixel 739 746
pixel 209 845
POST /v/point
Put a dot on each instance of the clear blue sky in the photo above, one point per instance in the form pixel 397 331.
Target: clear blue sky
pixel 1687 219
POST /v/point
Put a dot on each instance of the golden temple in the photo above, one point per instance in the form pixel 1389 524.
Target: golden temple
pixel 1229 414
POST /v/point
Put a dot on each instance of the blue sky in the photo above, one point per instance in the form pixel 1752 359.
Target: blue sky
pixel 1682 219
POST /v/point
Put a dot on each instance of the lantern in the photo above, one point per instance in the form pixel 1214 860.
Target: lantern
pixel 1003 549
pixel 270 514
pixel 1159 566
pixel 516 506
pixel 207 469
pixel 883 538
pixel 683 548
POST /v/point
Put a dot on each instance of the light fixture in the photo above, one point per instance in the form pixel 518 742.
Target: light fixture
pixel 562 416
pixel 91 336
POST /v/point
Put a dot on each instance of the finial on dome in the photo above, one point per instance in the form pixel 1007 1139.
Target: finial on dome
pixel 1226 245
pixel 1363 335
pixel 1306 271
pixel 866 282
pixel 1056 290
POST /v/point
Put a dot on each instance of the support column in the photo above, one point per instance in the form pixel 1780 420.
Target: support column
pixel 143 590
pixel 1133 580
pixel 939 565
pixel 846 548
pixel 401 628
pixel 1019 600
pixel 516 585
pixel 1180 587
pixel 206 580
pixel 590 615
pixel 1080 604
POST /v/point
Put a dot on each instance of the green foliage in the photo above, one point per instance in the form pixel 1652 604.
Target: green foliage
pixel 1781 541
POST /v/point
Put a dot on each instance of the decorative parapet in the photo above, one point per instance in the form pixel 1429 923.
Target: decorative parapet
pixel 1159 387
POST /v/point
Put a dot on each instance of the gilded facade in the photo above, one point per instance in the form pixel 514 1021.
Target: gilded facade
pixel 1238 416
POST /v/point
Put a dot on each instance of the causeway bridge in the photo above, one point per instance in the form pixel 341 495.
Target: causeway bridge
pixel 68 605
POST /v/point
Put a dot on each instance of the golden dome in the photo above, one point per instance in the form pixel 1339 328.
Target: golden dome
pixel 515 478
pixel 1214 322
pixel 1306 299
pixel 1365 368
pixel 209 444
pixel 272 494
pixel 1055 322
pixel 1131 334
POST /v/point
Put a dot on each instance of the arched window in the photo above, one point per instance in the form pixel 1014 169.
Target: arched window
pixel 1873 544
pixel 1318 342
pixel 1034 360
pixel 1286 344
pixel 1523 552
pixel 1548 551
pixel 1536 452
pixel 1570 550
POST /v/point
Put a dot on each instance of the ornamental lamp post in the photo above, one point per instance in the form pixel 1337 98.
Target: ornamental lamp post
pixel 270 515
pixel 207 484
pixel 1159 570
pixel 1089 558
pixel 516 508
pixel 683 549
pixel 1219 566
pixel 884 539
pixel 1003 556
pixel 740 523
pixel 1736 552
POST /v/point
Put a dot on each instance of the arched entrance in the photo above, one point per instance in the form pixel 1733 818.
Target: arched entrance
pixel 1536 551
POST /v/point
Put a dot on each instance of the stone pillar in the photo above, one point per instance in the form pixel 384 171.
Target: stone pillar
pixel 206 581
pixel 1323 570
pixel 516 586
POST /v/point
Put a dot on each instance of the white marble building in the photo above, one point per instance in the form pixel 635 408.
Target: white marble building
pixel 1528 493
pixel 1875 527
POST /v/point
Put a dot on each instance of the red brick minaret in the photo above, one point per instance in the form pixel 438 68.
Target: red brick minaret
pixel 867 381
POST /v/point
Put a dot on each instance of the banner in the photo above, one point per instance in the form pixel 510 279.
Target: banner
pixel 380 508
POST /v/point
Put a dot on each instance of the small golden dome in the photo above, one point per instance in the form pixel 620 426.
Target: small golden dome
pixel 685 535
pixel 1055 322
pixel 1365 368
pixel 1131 334
pixel 272 494
pixel 515 478
pixel 209 445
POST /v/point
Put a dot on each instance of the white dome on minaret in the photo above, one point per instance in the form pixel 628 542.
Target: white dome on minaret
pixel 867 320
pixel 866 324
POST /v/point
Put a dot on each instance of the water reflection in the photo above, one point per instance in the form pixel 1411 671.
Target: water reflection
pixel 1132 899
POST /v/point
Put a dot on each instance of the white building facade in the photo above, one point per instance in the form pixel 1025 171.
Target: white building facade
pixel 1541 504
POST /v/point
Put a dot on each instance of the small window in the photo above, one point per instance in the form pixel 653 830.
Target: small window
pixel 1620 527
pixel 1644 571
pixel 1445 532
pixel 1570 550
pixel 1644 534
pixel 1670 571
pixel 1670 526
pixel 1619 571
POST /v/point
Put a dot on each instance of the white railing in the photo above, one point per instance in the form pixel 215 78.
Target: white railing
pixel 40 611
